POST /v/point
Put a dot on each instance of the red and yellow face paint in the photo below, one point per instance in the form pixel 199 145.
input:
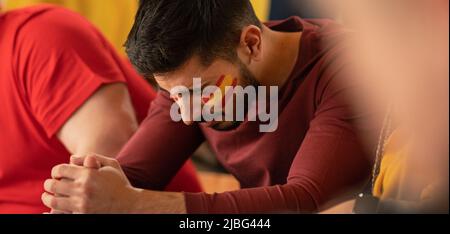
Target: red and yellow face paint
pixel 216 97
pixel 222 95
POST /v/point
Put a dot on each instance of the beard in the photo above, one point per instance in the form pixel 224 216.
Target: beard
pixel 247 79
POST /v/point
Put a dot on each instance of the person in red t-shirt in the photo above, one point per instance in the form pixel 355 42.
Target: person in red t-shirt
pixel 314 153
pixel 63 90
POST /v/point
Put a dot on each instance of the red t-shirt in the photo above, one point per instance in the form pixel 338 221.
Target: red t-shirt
pixel 51 62
pixel 313 156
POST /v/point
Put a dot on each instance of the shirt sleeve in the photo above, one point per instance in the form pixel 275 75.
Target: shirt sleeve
pixel 62 60
pixel 159 148
pixel 331 159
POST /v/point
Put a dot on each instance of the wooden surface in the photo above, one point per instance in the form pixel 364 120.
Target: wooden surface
pixel 217 182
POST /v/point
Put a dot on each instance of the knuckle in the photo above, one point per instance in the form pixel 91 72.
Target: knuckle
pixel 53 202
pixel 47 185
pixel 44 197
pixel 116 163
pixel 52 186
pixel 58 170
pixel 55 171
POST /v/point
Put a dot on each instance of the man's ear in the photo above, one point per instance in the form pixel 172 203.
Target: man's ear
pixel 250 45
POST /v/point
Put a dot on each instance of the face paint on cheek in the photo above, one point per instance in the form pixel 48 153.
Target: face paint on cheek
pixel 221 96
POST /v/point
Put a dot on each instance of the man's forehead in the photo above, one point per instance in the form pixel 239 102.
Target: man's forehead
pixel 183 82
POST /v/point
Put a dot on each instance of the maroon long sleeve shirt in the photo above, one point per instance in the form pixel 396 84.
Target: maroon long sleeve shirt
pixel 314 154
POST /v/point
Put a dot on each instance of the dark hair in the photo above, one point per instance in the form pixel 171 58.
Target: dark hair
pixel 167 33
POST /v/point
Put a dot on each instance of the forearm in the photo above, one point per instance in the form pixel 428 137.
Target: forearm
pixel 150 202
pixel 290 198
pixel 150 159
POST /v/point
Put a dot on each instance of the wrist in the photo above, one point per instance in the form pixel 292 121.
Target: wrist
pixel 151 202
pixel 133 197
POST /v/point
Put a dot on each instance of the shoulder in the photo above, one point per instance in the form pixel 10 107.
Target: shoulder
pixel 55 27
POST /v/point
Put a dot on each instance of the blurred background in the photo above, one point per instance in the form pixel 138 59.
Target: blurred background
pixel 400 49
pixel 120 13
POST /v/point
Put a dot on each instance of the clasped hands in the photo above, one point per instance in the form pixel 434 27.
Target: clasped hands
pixel 89 184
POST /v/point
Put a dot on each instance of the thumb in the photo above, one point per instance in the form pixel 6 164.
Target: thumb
pixel 91 162
pixel 77 160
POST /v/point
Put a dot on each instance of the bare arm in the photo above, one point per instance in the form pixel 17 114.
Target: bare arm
pixel 103 125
